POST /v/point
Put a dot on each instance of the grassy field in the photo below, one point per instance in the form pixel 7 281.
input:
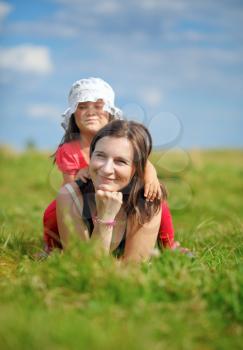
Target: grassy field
pixel 83 300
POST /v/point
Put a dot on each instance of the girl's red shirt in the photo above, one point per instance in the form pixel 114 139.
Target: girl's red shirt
pixel 69 158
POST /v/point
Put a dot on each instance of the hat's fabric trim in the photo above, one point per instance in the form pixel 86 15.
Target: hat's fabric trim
pixel 114 111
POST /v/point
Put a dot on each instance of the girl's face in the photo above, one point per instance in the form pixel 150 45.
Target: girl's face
pixel 90 117
pixel 111 165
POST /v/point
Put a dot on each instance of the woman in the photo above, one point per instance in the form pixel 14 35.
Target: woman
pixel 111 207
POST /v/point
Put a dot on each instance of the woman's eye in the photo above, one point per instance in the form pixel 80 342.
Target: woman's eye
pixel 101 156
pixel 121 161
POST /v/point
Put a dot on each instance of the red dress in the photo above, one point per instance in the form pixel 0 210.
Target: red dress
pixel 70 160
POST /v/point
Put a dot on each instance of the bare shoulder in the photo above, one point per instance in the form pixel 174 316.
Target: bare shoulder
pixel 70 187
pixel 70 199
pixel 70 191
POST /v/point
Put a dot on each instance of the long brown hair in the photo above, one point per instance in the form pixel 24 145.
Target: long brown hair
pixel 140 138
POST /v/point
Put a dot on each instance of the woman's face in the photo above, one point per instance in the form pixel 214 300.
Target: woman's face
pixel 111 165
pixel 90 117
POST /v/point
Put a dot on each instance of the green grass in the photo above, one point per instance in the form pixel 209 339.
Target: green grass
pixel 84 300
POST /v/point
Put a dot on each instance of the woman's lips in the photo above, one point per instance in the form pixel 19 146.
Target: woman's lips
pixel 105 180
pixel 104 184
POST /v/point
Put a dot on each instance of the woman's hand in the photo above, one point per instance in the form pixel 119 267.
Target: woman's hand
pixel 83 174
pixel 108 204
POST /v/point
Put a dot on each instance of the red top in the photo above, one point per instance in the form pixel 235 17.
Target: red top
pixel 69 158
pixel 166 230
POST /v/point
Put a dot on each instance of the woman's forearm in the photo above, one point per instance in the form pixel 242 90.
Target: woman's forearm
pixel 108 205
pixel 103 233
pixel 141 239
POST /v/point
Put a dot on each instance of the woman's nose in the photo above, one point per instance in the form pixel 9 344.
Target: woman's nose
pixel 108 166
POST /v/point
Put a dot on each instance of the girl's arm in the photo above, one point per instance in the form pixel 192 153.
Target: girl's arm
pixel 141 239
pixel 82 174
pixel 67 178
pixel 152 188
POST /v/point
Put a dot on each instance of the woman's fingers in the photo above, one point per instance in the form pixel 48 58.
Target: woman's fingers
pixel 109 195
pixel 108 203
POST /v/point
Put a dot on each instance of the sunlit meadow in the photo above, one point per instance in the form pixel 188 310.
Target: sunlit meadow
pixel 84 300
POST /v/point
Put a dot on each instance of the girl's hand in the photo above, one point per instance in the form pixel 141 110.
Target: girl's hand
pixel 83 174
pixel 152 190
pixel 108 204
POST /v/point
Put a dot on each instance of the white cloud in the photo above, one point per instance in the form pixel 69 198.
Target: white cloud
pixel 5 9
pixel 26 59
pixel 43 111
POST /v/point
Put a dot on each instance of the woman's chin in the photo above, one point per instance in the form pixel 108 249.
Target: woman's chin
pixel 106 187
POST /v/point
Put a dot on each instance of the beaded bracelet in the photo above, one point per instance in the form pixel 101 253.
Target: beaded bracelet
pixel 108 223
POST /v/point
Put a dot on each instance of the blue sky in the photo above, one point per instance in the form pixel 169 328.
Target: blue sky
pixel 177 66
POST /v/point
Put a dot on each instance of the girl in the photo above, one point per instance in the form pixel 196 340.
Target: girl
pixel 111 207
pixel 91 106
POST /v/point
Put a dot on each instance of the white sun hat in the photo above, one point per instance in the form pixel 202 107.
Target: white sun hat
pixel 90 89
